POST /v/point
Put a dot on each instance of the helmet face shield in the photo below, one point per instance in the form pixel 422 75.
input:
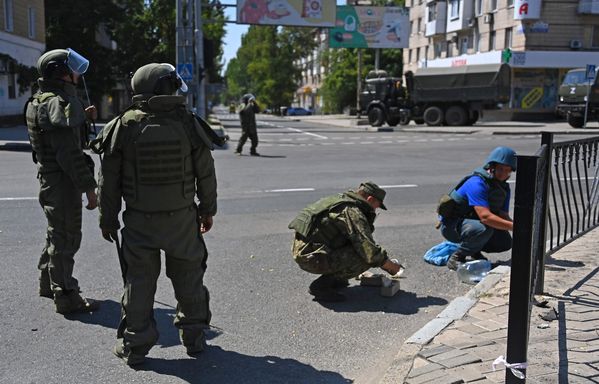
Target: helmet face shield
pixel 76 63
pixel 182 86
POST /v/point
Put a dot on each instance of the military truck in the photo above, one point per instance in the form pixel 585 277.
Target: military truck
pixel 573 94
pixel 435 96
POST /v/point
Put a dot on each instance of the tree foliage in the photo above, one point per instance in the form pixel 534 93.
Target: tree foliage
pixel 264 64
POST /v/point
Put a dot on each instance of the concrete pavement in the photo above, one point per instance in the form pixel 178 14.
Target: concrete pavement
pixel 461 344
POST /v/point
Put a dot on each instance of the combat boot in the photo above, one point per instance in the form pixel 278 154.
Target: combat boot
pixel 456 260
pixel 193 342
pixel 72 302
pixel 324 289
pixel 126 355
pixel 45 289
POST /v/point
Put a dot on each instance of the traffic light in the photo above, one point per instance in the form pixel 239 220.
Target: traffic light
pixel 506 55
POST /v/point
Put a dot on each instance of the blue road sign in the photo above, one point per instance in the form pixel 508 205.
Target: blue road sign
pixel 591 68
pixel 185 70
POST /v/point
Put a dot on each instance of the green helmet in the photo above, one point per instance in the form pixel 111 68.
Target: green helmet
pixel 53 64
pixel 157 79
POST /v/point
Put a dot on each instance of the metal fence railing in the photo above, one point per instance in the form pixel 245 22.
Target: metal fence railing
pixel 557 194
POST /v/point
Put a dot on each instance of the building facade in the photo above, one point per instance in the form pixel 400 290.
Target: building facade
pixel 22 41
pixel 540 39
pixel 308 95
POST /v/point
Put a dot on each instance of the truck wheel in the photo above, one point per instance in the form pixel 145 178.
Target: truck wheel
pixel 473 119
pixel 456 116
pixel 404 120
pixel 376 117
pixel 575 121
pixel 433 115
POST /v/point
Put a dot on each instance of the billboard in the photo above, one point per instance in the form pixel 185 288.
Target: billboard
pixel 370 27
pixel 302 13
pixel 527 9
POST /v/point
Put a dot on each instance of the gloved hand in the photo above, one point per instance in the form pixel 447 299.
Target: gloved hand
pixel 110 235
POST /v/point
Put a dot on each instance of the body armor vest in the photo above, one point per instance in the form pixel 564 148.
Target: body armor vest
pixel 315 224
pixel 36 117
pixel 497 194
pixel 158 172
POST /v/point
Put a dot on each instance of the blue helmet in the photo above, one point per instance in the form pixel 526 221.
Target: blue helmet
pixel 502 155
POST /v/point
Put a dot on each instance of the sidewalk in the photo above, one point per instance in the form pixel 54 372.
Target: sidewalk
pixel 460 345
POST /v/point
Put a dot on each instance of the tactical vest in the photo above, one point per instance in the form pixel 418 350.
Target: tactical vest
pixel 315 224
pixel 36 117
pixel 158 173
pixel 497 194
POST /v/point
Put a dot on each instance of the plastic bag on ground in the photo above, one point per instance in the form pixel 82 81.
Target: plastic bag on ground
pixel 440 253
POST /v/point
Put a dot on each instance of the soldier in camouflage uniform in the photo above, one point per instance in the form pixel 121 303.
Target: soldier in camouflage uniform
pixel 158 160
pixel 56 122
pixel 333 238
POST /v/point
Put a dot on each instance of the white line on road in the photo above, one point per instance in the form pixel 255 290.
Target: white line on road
pixel 306 133
pixel 400 186
pixel 291 190
pixel 17 198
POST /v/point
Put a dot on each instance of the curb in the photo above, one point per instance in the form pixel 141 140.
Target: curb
pixel 402 363
pixel 16 146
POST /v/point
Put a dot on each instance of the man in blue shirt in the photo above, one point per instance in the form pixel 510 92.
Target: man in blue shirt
pixel 480 219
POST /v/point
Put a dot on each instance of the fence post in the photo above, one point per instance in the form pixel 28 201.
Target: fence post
pixel 520 279
pixel 539 256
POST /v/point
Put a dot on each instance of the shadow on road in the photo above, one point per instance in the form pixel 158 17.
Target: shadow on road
pixel 215 365
pixel 368 299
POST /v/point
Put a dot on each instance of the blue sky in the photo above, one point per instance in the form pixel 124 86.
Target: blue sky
pixel 234 31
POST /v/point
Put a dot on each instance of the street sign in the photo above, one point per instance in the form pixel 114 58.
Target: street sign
pixel 185 70
pixel 591 68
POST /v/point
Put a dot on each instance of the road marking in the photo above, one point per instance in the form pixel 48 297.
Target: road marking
pixel 400 186
pixel 18 198
pixel 306 133
pixel 291 190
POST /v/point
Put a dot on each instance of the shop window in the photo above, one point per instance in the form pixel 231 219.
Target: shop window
pixel 12 86
pixel 464 46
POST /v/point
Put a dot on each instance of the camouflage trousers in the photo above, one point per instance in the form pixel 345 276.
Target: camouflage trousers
pixel 61 203
pixel 177 234
pixel 342 263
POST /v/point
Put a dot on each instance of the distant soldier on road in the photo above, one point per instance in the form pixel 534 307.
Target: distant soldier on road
pixel 247 116
pixel 57 122
pixel 157 158
pixel 333 238
pixel 475 214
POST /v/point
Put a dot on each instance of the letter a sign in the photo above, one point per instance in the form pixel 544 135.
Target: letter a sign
pixel 527 9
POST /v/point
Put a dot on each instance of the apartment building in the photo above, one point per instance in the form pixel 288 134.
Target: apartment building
pixel 308 94
pixel 22 41
pixel 540 39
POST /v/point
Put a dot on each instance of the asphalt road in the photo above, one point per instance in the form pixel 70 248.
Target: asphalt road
pixel 266 328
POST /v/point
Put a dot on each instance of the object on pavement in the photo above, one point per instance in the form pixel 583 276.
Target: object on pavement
pixel 440 253
pixel 473 272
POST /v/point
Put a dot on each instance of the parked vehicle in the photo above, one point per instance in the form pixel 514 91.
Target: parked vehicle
pixel 298 111
pixel 573 94
pixel 435 96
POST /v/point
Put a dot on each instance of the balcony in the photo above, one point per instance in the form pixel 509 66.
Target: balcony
pixel 588 7
pixel 438 12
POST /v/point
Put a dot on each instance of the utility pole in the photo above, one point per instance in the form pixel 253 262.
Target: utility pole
pixel 199 61
pixel 184 38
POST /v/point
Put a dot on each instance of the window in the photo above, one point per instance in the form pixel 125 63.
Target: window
pixel 464 46
pixel 454 9
pixel 493 5
pixel 478 7
pixel 492 40
pixel 409 55
pixel 419 24
pixel 432 12
pixel 595 41
pixel 8 15
pixel 478 41
pixel 449 49
pixel 510 3
pixel 31 17
pixel 12 86
pixel 438 49
pixel 508 38
pixel 411 27
pixel 417 54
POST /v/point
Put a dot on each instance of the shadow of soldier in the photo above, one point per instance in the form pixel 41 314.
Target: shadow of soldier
pixel 216 365
pixel 368 299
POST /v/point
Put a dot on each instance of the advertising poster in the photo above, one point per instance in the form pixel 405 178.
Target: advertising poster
pixel 527 9
pixel 370 27
pixel 535 88
pixel 302 13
